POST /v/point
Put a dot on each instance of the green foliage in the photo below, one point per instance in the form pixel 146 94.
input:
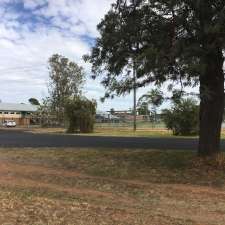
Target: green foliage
pixel 66 80
pixel 166 41
pixel 44 115
pixel 117 50
pixel 169 41
pixel 153 97
pixel 182 118
pixel 112 111
pixel 34 101
pixel 143 109
pixel 80 113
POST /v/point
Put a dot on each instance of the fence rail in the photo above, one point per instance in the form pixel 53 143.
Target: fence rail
pixel 140 125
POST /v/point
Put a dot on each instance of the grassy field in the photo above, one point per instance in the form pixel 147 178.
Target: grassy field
pixel 121 132
pixel 129 125
pixel 109 131
pixel 110 187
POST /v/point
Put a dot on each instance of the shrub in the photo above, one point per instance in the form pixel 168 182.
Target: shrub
pixel 182 118
pixel 80 113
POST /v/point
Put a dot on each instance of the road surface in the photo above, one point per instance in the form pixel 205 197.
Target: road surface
pixel 19 138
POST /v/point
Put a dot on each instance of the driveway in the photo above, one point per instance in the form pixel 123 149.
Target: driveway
pixel 19 138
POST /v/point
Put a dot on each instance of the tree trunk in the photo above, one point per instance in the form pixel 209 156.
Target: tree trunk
pixel 212 104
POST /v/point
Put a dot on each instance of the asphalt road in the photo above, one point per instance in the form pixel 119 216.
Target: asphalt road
pixel 19 138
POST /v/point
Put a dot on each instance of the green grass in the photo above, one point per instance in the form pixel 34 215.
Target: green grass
pixel 130 133
pixel 129 125
pixel 117 131
pixel 140 132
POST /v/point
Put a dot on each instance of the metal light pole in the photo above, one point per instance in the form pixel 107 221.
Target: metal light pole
pixel 135 96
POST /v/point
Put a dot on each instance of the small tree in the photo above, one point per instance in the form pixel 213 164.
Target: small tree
pixel 66 81
pixel 80 114
pixel 34 101
pixel 112 111
pixel 143 109
pixel 155 99
pixel 182 118
pixel 45 115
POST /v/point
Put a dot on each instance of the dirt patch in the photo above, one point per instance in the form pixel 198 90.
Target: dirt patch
pixel 31 193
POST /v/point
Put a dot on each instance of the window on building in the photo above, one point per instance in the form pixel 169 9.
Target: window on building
pixel 6 112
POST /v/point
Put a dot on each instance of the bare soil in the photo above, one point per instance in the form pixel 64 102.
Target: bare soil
pixel 36 190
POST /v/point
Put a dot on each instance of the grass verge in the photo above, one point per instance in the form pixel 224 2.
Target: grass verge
pixel 108 186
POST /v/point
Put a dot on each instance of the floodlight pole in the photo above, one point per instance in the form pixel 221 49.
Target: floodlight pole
pixel 135 96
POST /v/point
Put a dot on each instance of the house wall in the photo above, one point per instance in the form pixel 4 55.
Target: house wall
pixel 17 117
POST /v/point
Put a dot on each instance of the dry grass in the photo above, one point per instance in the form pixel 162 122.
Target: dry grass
pixel 39 130
pixel 120 131
pixel 112 187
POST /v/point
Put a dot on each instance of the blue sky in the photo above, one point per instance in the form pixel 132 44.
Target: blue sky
pixel 32 30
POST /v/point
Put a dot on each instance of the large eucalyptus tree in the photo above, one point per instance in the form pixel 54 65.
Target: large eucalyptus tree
pixel 170 40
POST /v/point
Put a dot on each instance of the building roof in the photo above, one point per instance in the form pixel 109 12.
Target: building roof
pixel 18 107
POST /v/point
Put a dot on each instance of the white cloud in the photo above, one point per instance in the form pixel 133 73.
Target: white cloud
pixel 79 16
pixel 33 4
pixel 50 26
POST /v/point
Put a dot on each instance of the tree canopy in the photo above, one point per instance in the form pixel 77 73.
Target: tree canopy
pixel 80 113
pixel 178 41
pixel 66 80
pixel 182 118
pixel 167 39
pixel 153 97
pixel 34 101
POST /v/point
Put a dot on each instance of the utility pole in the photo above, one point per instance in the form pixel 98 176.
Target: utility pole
pixel 135 96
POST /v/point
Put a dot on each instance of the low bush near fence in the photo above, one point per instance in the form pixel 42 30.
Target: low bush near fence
pixel 182 118
pixel 80 113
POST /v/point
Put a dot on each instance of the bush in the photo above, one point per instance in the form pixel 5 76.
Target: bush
pixel 183 117
pixel 80 113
